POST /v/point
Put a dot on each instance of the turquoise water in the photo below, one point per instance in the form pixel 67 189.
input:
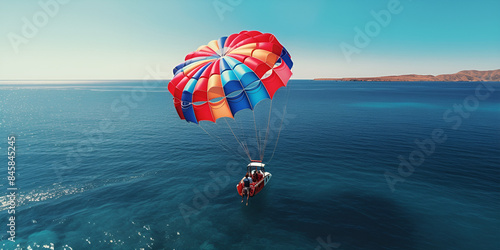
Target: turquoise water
pixel 108 165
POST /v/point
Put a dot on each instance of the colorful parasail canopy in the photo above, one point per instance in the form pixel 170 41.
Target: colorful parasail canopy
pixel 228 75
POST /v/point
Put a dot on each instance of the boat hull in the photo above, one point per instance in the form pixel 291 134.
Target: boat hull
pixel 255 187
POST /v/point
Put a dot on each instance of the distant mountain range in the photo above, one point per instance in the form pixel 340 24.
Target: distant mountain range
pixel 464 75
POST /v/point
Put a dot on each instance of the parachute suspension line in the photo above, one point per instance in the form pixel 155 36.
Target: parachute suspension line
pixel 221 143
pixel 267 132
pixel 281 125
pixel 279 132
pixel 243 140
pixel 244 143
pixel 257 137
pixel 235 137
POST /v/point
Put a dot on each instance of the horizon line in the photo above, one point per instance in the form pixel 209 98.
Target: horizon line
pixel 318 77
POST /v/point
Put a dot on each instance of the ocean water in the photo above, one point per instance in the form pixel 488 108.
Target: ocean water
pixel 108 165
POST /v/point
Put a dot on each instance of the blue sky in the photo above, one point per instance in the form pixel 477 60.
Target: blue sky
pixel 120 39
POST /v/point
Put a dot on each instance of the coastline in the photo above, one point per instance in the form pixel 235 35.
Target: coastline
pixel 462 76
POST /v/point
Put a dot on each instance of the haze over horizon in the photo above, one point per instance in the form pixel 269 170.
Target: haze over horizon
pixel 92 40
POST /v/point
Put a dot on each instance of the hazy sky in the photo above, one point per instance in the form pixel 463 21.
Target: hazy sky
pixel 120 39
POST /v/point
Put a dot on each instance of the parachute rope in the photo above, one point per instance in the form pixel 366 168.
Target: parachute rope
pixel 221 143
pixel 257 138
pixel 281 125
pixel 244 136
pixel 279 132
pixel 267 132
pixel 243 147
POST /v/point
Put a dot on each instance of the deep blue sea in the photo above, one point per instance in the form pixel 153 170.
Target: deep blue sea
pixel 358 165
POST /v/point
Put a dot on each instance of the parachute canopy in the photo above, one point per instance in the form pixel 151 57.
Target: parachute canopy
pixel 228 75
